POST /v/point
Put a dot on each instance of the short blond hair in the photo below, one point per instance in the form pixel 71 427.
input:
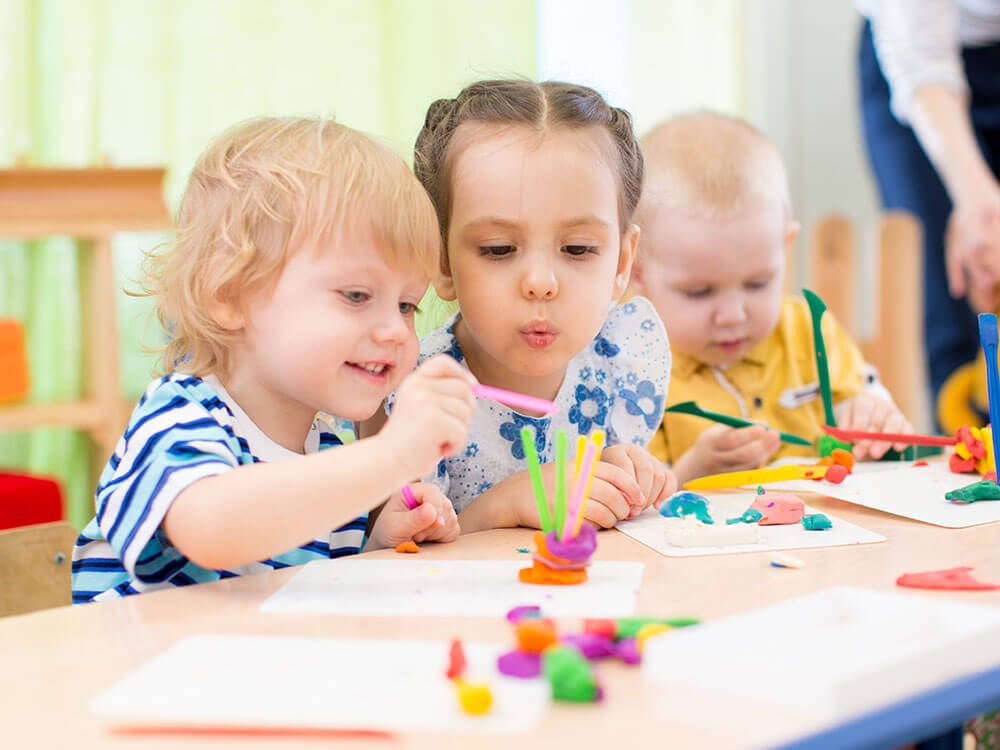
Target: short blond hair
pixel 711 165
pixel 262 190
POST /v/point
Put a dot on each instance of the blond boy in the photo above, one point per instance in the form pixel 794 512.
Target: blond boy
pixel 716 224
pixel 302 250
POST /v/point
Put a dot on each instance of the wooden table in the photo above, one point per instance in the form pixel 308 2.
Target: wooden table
pixel 52 663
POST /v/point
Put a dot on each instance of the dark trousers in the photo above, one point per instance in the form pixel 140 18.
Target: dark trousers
pixel 907 181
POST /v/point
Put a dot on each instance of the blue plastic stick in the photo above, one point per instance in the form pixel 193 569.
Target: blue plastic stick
pixel 988 339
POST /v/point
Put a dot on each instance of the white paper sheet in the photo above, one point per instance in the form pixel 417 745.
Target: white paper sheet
pixel 835 652
pixel 472 588
pixel 650 529
pixel 904 490
pixel 324 683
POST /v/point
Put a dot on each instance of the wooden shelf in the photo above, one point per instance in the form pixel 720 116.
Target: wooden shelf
pixel 90 204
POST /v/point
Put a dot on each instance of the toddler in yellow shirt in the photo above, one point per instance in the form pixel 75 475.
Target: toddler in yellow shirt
pixel 716 224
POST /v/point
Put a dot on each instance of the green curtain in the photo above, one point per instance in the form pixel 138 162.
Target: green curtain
pixel 147 82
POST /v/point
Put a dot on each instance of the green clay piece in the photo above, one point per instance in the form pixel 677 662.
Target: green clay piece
pixel 690 407
pixel 816 522
pixel 982 490
pixel 629 627
pixel 570 675
pixel 816 309
pixel 827 444
pixel 525 550
pixel 750 515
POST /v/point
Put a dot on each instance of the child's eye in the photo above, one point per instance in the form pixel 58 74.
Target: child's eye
pixel 757 284
pixel 408 308
pixel 355 296
pixel 496 251
pixel 578 250
pixel 698 292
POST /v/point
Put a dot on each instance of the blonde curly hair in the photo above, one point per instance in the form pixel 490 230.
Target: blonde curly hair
pixel 262 190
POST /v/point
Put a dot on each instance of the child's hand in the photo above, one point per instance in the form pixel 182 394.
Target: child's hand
pixel 430 420
pixel 721 448
pixel 871 413
pixel 655 480
pixel 433 520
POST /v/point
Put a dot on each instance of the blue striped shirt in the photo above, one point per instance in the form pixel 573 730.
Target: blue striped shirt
pixel 183 429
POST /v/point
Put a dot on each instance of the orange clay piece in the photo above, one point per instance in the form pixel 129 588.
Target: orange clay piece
pixel 825 461
pixel 534 636
pixel 919 463
pixel 843 458
pixel 409 546
pixel 538 573
pixel 14 373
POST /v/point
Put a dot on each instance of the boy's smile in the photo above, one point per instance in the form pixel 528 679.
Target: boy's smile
pixel 535 251
pixel 335 334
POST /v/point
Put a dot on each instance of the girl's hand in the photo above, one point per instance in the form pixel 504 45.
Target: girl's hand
pixel 871 413
pixel 655 480
pixel 430 420
pixel 433 520
pixel 721 448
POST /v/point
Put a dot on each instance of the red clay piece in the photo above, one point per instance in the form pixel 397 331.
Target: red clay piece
pixel 456 660
pixel 836 474
pixel 956 579
pixel 920 463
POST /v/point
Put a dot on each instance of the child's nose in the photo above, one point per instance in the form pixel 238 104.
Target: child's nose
pixel 392 328
pixel 539 282
pixel 731 310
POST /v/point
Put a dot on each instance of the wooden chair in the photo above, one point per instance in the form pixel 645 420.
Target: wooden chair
pixel 892 339
pixel 35 564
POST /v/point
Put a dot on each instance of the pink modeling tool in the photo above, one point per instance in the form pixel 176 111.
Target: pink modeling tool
pixel 517 400
pixel 408 498
pixel 586 466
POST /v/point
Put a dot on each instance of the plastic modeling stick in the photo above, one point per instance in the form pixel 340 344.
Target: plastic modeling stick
pixel 690 407
pixel 816 309
pixel 517 400
pixel 988 339
pixel 756 476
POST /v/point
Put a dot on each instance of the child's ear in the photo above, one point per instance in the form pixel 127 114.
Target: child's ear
pixel 791 232
pixel 225 313
pixel 626 256
pixel 444 284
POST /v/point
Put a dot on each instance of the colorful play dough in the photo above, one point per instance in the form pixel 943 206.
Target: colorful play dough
pixel 561 562
pixel 779 508
pixel 958 579
pixel 686 503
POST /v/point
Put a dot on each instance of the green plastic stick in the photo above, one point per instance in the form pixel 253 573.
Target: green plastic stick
pixel 535 472
pixel 560 514
pixel 690 407
pixel 816 309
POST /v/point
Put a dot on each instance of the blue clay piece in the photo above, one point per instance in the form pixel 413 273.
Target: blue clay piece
pixel 750 515
pixel 816 522
pixel 686 504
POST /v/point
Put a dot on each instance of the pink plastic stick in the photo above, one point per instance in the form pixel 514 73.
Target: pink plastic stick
pixel 517 400
pixel 581 484
pixel 408 498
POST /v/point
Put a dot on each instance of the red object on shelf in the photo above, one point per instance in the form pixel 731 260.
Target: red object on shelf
pixel 889 437
pixel 26 500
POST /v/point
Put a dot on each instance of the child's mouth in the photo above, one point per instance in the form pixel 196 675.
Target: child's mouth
pixel 373 372
pixel 538 335
pixel 730 345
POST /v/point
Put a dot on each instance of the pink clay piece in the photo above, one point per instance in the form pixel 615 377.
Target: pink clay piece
pixel 779 508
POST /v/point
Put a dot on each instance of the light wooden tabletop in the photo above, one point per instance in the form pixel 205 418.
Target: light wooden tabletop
pixel 53 662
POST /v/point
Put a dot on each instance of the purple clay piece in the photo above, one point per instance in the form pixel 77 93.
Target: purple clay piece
pixel 525 611
pixel 520 664
pixel 593 646
pixel 628 651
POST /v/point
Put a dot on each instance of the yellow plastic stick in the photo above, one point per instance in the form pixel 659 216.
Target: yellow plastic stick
pixel 599 445
pixel 756 476
pixel 581 446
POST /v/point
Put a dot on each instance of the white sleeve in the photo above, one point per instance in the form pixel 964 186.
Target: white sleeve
pixel 916 42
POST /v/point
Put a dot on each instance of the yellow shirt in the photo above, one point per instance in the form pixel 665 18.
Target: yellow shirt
pixel 775 383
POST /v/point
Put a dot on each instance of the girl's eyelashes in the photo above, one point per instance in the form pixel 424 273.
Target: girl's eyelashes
pixel 699 292
pixel 408 308
pixel 579 250
pixel 496 251
pixel 758 284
